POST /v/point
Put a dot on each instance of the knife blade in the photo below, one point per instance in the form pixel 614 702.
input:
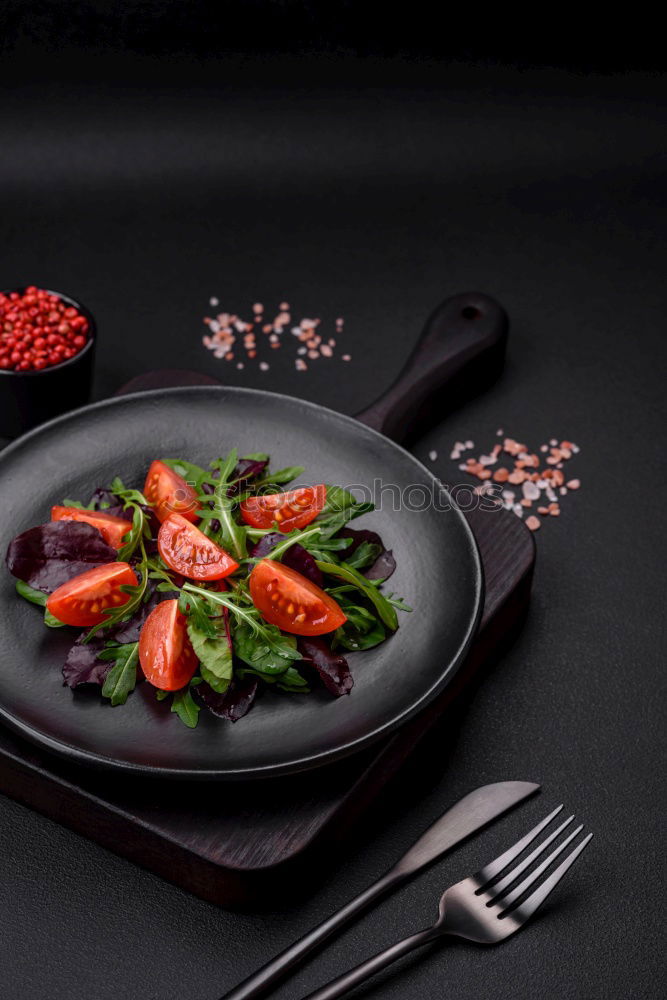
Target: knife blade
pixel 470 814
pixel 465 817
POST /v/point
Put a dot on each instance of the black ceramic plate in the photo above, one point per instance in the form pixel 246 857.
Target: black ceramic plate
pixel 438 574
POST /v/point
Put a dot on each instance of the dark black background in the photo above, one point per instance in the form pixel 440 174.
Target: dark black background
pixel 154 155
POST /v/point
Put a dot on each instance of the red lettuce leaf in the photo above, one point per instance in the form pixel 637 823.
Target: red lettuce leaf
pixel 107 502
pixel 236 702
pixel 384 565
pixel 51 554
pixel 296 557
pixel 246 469
pixel 332 667
pixel 82 665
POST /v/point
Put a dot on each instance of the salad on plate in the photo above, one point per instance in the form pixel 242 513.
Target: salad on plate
pixel 210 584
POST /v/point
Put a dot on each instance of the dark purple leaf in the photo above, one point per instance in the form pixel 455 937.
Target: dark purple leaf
pixel 296 557
pixel 82 665
pixel 246 469
pixel 382 568
pixel 332 667
pixel 104 500
pixel 51 554
pixel 234 703
pixel 384 565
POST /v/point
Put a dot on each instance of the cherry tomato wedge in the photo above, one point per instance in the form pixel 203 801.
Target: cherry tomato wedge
pixel 82 599
pixel 168 493
pixel 287 599
pixel 290 510
pixel 111 528
pixel 188 551
pixel 165 652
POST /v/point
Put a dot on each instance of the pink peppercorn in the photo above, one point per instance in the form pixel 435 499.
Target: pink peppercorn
pixel 38 329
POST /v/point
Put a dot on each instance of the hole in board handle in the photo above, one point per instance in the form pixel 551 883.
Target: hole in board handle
pixel 470 312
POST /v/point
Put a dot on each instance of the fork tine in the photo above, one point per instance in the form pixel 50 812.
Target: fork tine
pixel 495 867
pixel 512 896
pixel 536 898
pixel 512 876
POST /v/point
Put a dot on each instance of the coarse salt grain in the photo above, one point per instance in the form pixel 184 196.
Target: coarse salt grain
pixel 522 468
pixel 225 327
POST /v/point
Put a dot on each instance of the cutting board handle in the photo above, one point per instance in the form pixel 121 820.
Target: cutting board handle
pixel 461 350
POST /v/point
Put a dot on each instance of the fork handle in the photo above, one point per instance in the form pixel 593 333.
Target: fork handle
pixel 339 987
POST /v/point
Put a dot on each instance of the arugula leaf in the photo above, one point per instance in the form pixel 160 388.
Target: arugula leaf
pixel 396 602
pixel 77 503
pixel 38 597
pixel 343 571
pixel 113 616
pixel 199 614
pixel 139 529
pixel 135 533
pixel 126 494
pixel 193 474
pixel 51 621
pixel 185 707
pixel 214 655
pixel 218 506
pixel 225 467
pixel 294 538
pixel 339 508
pixel 231 536
pixel 122 677
pixel 281 476
pixel 30 594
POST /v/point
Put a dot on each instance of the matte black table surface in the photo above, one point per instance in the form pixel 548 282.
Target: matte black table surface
pixel 372 194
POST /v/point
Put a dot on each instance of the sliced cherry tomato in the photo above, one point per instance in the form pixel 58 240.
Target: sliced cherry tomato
pixel 111 528
pixel 82 599
pixel 165 652
pixel 188 551
pixel 290 510
pixel 169 493
pixel 293 603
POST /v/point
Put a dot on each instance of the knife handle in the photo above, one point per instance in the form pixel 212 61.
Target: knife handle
pixel 258 984
pixel 461 350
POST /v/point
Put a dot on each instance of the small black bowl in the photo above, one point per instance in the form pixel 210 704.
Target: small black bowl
pixel 30 398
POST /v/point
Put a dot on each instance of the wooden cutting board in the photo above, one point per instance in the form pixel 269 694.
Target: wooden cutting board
pixel 236 844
